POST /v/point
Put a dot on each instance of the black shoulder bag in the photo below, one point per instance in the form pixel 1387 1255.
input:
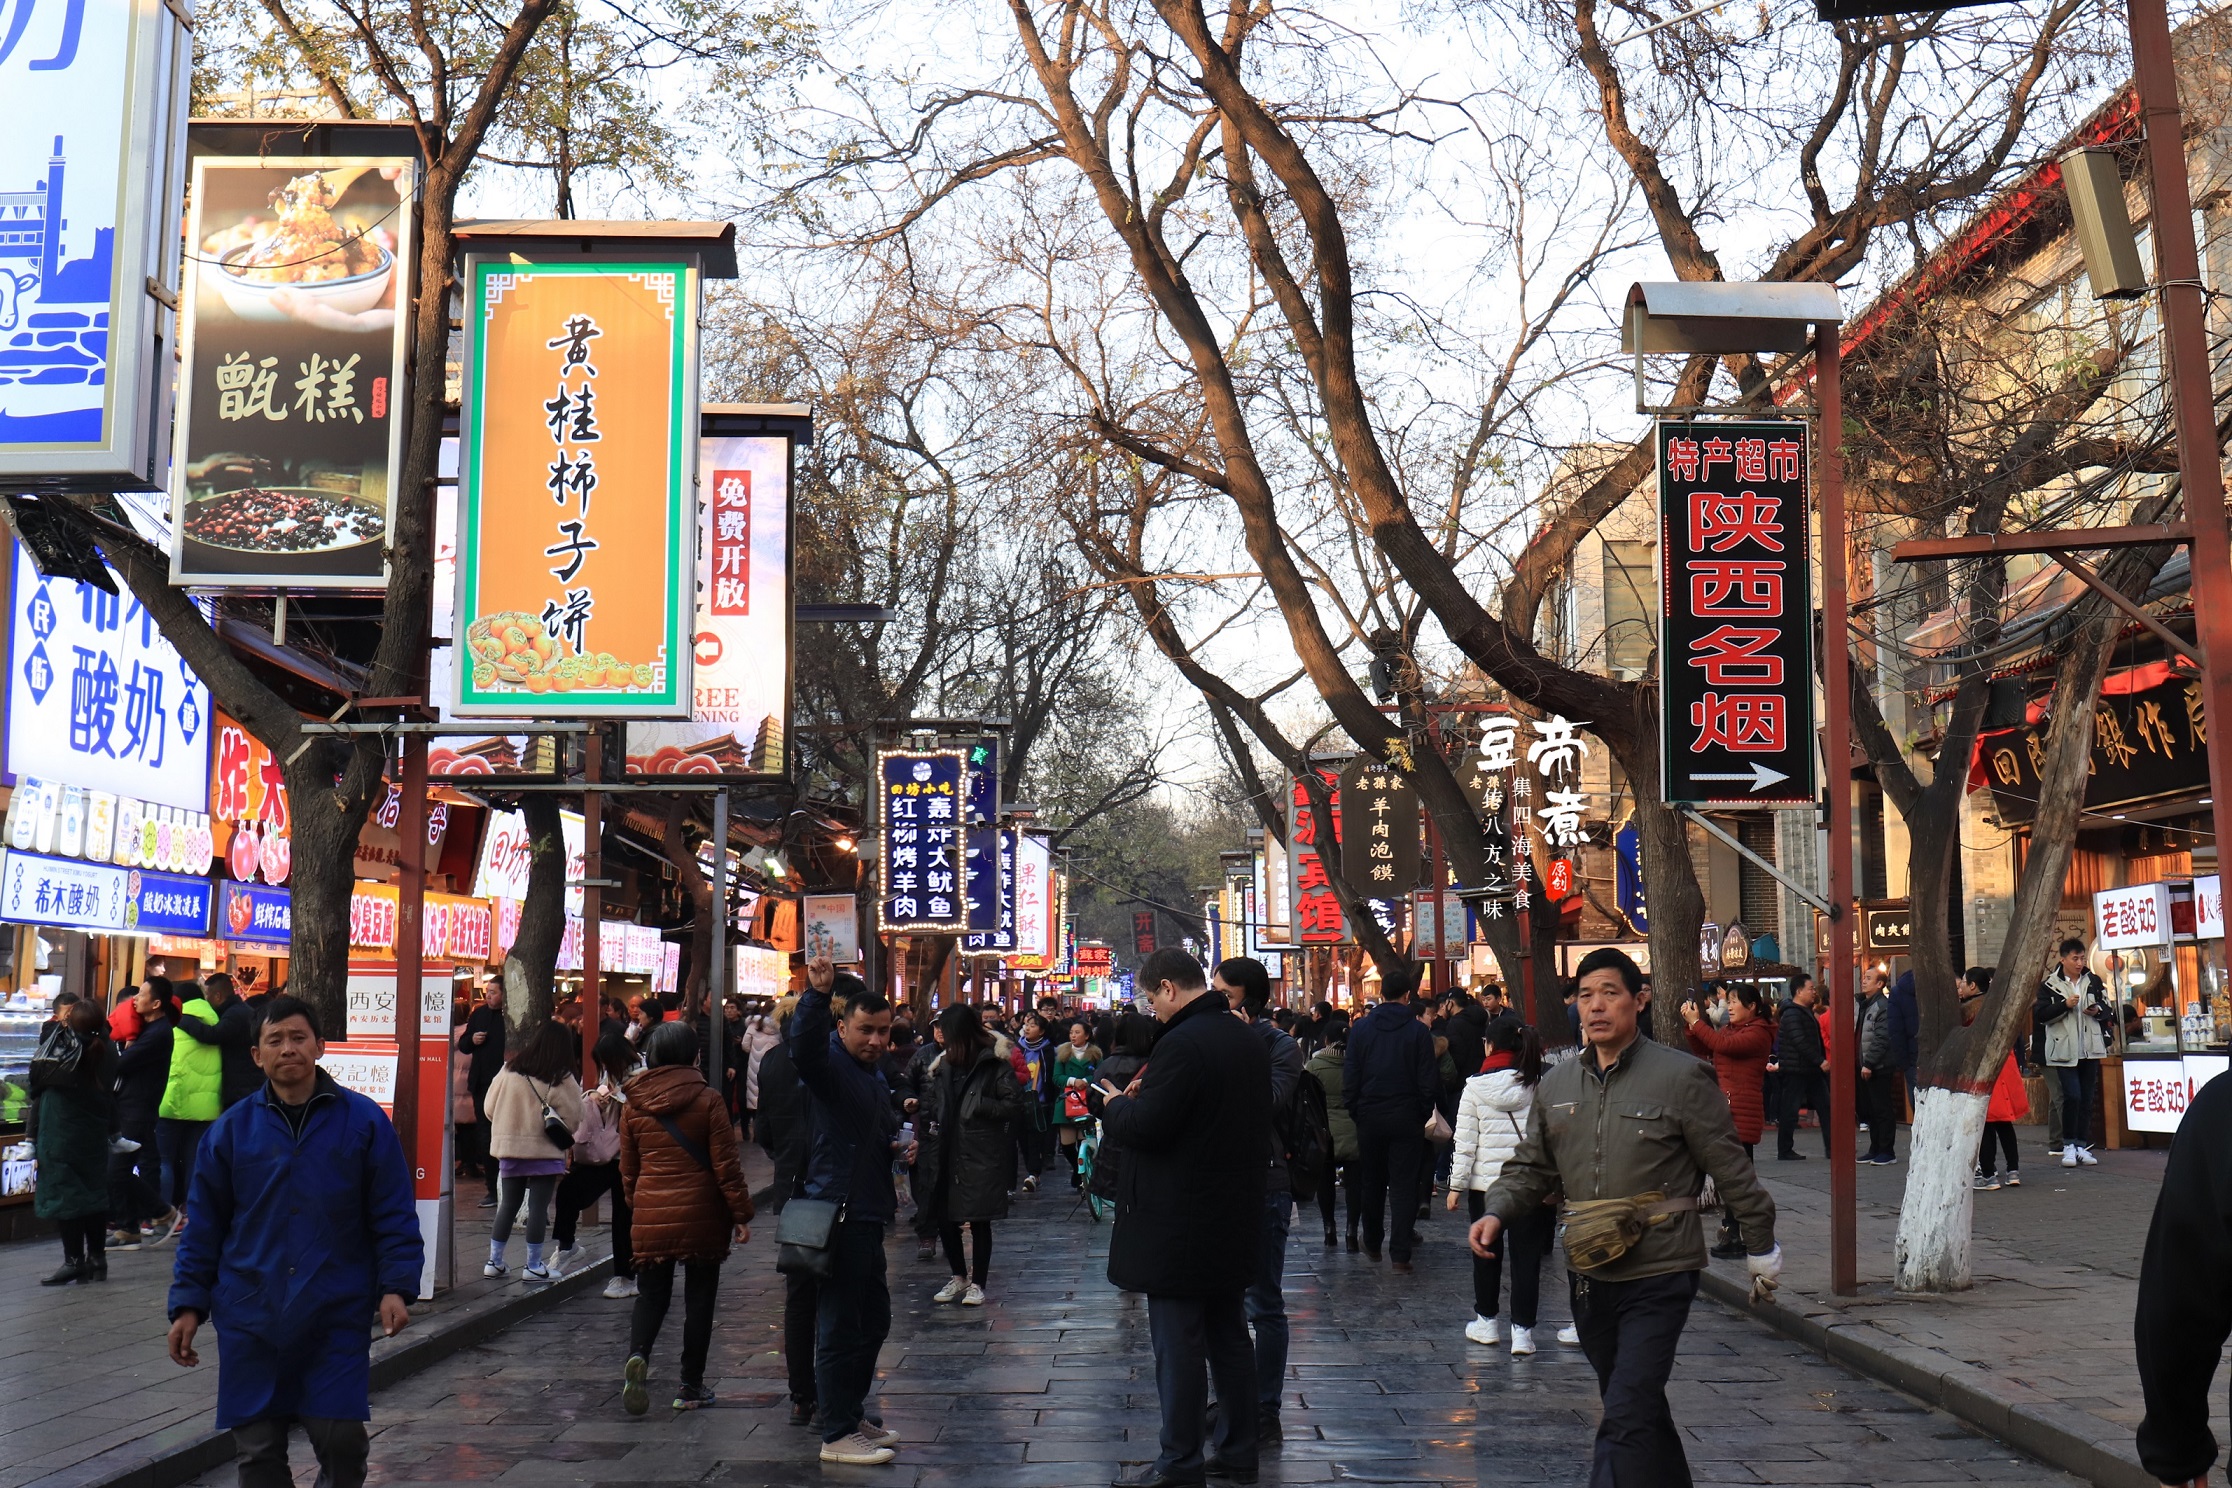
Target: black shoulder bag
pixel 803 1232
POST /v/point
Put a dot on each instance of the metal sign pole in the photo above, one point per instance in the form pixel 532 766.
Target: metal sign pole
pixel 716 975
pixel 1836 686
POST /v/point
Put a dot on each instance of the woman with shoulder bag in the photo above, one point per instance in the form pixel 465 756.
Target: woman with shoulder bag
pixel 69 1081
pixel 1491 1118
pixel 684 1185
pixel 533 1108
pixel 1738 1049
pixel 974 1100
pixel 1074 1064
pixel 596 1166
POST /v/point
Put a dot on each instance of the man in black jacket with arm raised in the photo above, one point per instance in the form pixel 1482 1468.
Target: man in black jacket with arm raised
pixel 1195 1127
pixel 2185 1293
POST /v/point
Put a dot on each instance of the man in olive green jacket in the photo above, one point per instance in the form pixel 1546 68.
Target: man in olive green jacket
pixel 1631 1117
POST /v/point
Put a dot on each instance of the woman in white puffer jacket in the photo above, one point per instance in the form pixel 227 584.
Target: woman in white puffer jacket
pixel 1491 1118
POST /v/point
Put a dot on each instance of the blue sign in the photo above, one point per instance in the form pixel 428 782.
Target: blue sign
pixel 169 904
pixel 252 911
pixel 62 892
pixel 1627 857
pixel 997 852
pixel 921 857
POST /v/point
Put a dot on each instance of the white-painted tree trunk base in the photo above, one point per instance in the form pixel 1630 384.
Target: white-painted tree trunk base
pixel 1934 1218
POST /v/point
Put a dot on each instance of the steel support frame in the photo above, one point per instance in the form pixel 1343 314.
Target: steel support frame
pixel 1721 832
pixel 1836 684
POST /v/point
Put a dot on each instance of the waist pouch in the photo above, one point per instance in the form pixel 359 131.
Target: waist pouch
pixel 1597 1232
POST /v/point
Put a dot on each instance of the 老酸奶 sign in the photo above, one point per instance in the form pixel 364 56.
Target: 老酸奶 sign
pixel 577 516
pixel 1735 614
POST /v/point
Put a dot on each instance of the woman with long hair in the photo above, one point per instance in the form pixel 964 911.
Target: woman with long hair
pixel 684 1186
pixel 1491 1118
pixel 539 1078
pixel 596 1164
pixel 1735 1035
pixel 1074 1063
pixel 1033 1062
pixel 972 1103
pixel 70 1078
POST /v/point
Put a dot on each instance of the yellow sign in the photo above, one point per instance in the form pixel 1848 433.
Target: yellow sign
pixel 577 490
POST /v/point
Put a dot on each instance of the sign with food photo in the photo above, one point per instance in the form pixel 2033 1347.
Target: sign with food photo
pixel 291 394
pixel 577 511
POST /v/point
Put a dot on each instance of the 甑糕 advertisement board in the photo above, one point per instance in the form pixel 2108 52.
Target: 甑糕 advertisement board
pixel 577 514
pixel 291 395
pixel 92 166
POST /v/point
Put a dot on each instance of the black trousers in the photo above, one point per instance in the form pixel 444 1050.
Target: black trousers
pixel 1389 1159
pixel 84 1239
pixel 1527 1242
pixel 979 1264
pixel 1804 1088
pixel 583 1185
pixel 801 1297
pixel 1332 1177
pixel 701 1283
pixel 1630 1330
pixel 135 1179
pixel 1879 1108
pixel 343 1448
pixel 1197 1339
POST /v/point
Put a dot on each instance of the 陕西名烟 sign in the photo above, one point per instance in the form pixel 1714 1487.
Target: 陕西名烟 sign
pixel 292 375
pixel 576 513
pixel 920 859
pixel 1735 614
pixel 92 171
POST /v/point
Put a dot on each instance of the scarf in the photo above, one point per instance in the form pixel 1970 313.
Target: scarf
pixel 1499 1059
pixel 1034 1057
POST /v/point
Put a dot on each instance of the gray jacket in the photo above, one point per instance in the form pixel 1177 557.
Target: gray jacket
pixel 1286 1069
pixel 1655 1122
pixel 1875 1032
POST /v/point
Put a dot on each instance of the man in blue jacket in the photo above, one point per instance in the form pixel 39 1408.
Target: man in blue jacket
pixel 301 1228
pixel 854 1129
pixel 1391 1083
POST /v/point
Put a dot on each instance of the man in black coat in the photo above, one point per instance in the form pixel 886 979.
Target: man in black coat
pixel 1802 1064
pixel 482 1042
pixel 1196 1132
pixel 1392 1083
pixel 234 1033
pixel 2185 1293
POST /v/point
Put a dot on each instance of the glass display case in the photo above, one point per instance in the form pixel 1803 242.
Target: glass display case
pixel 21 1017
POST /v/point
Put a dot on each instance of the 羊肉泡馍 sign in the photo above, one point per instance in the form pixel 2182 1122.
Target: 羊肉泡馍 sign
pixel 577 511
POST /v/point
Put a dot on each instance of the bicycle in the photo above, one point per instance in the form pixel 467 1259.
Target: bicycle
pixel 1088 1148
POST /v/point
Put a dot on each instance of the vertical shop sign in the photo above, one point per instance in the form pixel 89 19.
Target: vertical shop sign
pixel 920 863
pixel 97 698
pixel 1143 932
pixel 1735 615
pixel 92 162
pixel 1317 916
pixel 291 385
pixel 577 490
pixel 740 718
pixel 1380 809
pixel 1000 891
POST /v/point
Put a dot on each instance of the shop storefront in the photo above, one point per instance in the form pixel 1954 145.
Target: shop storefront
pixel 2159 949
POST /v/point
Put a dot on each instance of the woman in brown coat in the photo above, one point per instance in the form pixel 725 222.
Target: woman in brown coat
pixel 686 1196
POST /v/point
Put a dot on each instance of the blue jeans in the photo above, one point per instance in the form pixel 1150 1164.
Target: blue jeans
pixel 178 1140
pixel 851 1317
pixel 1265 1302
pixel 2078 1082
pixel 1187 1333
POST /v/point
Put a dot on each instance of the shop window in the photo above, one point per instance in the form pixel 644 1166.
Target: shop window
pixel 1630 607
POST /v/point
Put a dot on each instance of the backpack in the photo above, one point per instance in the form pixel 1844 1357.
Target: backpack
pixel 1308 1133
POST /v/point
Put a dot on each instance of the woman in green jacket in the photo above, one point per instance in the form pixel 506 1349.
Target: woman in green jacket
pixel 70 1080
pixel 192 1097
pixel 1074 1063
pixel 1325 1068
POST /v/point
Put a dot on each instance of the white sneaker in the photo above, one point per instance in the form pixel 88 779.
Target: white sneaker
pixel 538 1276
pixel 973 1297
pixel 881 1435
pixel 2084 1156
pixel 2013 1179
pixel 495 1268
pixel 1483 1330
pixel 2069 1156
pixel 856 1450
pixel 1569 1334
pixel 1522 1341
pixel 619 1287
pixel 562 1259
pixel 121 1145
pixel 952 1290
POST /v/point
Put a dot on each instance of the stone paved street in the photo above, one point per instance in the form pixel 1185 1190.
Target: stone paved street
pixel 1049 1386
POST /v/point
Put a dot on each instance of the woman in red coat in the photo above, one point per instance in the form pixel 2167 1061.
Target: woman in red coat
pixel 1739 1049
pixel 2009 1104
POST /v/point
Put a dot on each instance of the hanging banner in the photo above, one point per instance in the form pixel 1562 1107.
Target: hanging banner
pixel 92 162
pixel 96 697
pixel 1143 932
pixel 292 377
pixel 577 490
pixel 919 866
pixel 1381 808
pixel 1736 678
pixel 1316 911
pixel 507 857
pixel 1037 907
pixel 740 720
pixel 1274 892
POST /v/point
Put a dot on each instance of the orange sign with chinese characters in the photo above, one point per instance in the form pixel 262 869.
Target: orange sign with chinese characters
pixel 577 512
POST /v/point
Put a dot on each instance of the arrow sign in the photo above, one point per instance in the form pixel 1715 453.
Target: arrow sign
pixel 1759 775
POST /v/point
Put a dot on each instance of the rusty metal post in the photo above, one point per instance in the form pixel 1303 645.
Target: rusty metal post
pixel 2185 329
pixel 592 906
pixel 1836 686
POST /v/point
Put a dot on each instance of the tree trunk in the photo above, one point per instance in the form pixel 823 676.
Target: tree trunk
pixel 1932 1250
pixel 694 883
pixel 324 829
pixel 531 965
pixel 1676 903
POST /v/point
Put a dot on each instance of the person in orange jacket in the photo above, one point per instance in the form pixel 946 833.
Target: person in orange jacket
pixel 2009 1104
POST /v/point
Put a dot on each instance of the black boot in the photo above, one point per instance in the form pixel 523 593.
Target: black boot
pixel 1332 1238
pixel 95 1269
pixel 73 1269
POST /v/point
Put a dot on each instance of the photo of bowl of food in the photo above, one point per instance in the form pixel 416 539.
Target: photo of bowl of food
pixel 284 519
pixel 303 258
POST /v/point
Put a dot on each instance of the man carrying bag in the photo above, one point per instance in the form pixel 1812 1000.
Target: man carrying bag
pixel 1628 1132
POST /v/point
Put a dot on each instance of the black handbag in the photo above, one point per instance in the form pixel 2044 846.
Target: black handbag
pixel 555 1130
pixel 803 1235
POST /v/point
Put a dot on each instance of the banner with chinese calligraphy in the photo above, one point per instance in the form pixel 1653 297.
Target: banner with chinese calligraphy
pixel 1143 932
pixel 1736 679
pixel 97 698
pixel 919 867
pixel 92 162
pixel 62 892
pixel 576 500
pixel 1316 911
pixel 2147 742
pixel 1380 810
pixel 740 722
pixel 292 373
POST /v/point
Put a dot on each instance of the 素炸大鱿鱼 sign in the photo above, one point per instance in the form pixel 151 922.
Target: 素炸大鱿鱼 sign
pixel 576 490
pixel 1735 614
pixel 920 854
